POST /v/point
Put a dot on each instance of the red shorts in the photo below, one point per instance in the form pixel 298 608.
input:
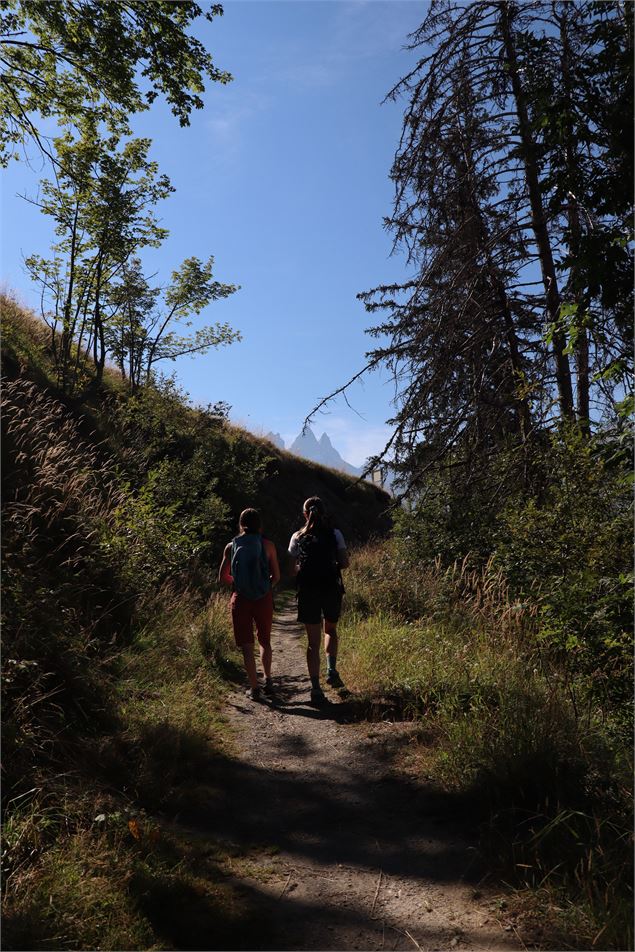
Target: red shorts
pixel 246 611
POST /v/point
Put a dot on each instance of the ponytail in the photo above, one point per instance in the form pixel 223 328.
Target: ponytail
pixel 314 509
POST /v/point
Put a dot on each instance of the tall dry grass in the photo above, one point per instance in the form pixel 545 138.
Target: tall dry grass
pixel 60 598
pixel 506 724
pixel 90 713
pixel 88 855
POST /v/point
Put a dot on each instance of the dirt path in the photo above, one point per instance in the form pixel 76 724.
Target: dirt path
pixel 353 856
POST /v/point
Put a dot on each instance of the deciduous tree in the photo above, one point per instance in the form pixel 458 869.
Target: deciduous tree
pixel 141 333
pixel 95 297
pixel 106 58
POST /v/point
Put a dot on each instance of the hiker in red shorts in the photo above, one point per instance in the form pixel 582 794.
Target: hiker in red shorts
pixel 318 554
pixel 250 566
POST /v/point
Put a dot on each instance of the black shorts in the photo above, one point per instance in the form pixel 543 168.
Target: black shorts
pixel 315 603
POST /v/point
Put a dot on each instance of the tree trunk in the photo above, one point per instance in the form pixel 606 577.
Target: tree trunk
pixel 539 224
pixel 483 241
pixel 99 351
pixel 67 320
pixel 573 218
pixel 582 370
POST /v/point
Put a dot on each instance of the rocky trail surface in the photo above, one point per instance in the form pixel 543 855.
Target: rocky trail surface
pixel 348 849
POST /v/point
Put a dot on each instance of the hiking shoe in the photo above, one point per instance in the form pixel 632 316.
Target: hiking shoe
pixel 317 697
pixel 253 694
pixel 269 689
pixel 333 678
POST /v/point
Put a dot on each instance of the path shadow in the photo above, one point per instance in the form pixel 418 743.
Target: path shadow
pixel 292 698
pixel 190 919
pixel 362 814
pixel 388 821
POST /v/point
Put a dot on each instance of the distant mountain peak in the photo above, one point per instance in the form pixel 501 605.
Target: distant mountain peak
pixel 276 439
pixel 321 451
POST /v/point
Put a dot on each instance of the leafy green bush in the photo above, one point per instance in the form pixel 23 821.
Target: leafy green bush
pixel 558 522
pixel 569 550
pixel 150 537
pixel 189 473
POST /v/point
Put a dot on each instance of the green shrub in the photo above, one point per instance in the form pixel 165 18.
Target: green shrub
pixel 569 550
pixel 158 425
pixel 558 523
pixel 151 543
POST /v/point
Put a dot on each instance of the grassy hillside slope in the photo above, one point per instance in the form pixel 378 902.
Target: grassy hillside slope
pixel 121 421
pixel 116 643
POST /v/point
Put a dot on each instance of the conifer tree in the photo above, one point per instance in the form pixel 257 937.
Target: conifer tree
pixel 518 294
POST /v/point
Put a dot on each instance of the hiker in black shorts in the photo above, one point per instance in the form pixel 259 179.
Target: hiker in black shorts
pixel 319 554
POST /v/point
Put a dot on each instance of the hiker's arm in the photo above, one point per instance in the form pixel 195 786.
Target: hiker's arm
pixel 292 558
pixel 274 568
pixel 224 573
pixel 342 552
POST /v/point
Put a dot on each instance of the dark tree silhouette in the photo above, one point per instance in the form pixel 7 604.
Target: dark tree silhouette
pixel 514 318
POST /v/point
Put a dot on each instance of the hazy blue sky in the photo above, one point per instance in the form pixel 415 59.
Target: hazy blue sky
pixel 283 177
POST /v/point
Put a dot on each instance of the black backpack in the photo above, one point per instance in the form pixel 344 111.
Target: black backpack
pixel 317 558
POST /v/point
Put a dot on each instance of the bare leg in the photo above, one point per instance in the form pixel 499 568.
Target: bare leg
pixel 264 622
pixel 314 634
pixel 250 664
pixel 330 639
pixel 265 659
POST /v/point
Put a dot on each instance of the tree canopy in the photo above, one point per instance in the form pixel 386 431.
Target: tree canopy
pixel 89 65
pixel 111 58
pixel 94 294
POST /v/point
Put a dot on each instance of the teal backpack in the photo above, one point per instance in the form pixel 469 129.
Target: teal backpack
pixel 250 566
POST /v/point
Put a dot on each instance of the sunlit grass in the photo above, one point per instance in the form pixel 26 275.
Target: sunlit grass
pixel 545 769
